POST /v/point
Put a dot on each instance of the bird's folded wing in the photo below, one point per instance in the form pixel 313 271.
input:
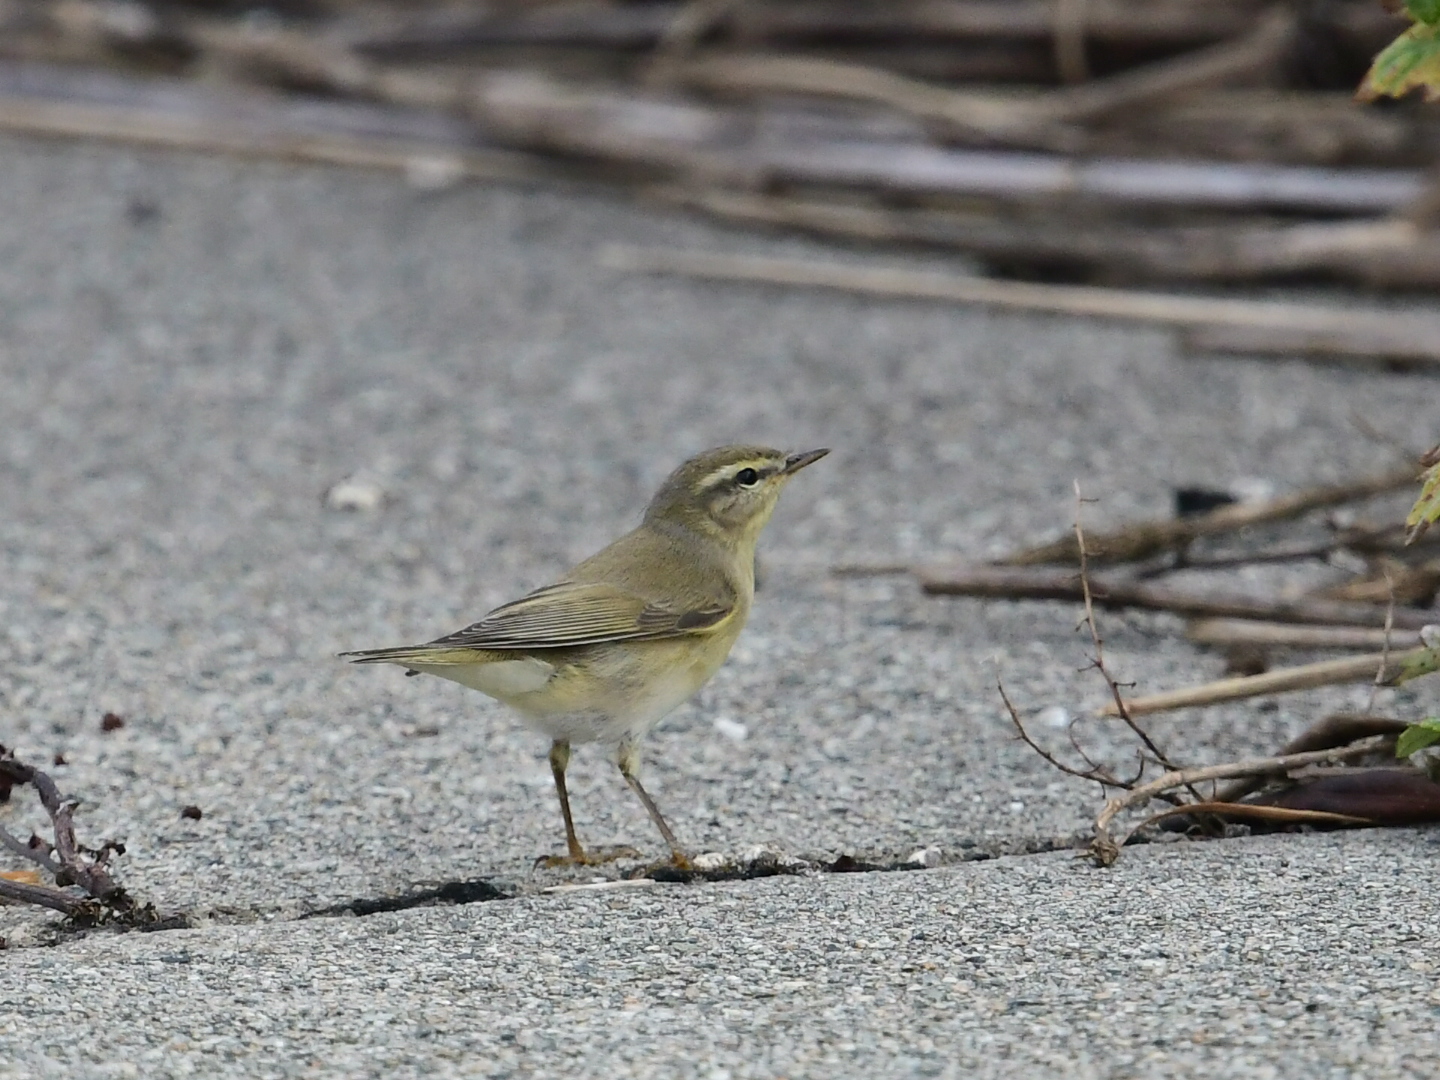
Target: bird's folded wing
pixel 580 613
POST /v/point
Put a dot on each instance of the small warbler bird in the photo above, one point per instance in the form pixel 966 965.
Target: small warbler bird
pixel 625 637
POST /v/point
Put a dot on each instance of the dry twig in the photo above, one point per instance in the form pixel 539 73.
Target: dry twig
pixel 1098 660
pixel 1105 849
pixel 66 859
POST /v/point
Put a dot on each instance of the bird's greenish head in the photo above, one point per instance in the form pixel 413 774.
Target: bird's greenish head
pixel 729 492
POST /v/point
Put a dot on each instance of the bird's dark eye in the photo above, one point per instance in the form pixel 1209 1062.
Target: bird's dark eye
pixel 747 478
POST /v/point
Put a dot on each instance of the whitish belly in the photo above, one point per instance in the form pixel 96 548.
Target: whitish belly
pixel 595 695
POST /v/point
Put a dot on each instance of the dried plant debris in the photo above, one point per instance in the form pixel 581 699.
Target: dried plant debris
pixel 1340 773
pixel 1384 598
pixel 84 890
pixel 1171 140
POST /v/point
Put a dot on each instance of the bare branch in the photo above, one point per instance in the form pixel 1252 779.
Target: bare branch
pixel 1099 659
pixel 1105 849
pixel 71 864
pixel 1097 773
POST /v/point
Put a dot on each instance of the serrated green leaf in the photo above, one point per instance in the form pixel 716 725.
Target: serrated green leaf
pixel 1410 62
pixel 1417 737
pixel 1426 510
pixel 1424 11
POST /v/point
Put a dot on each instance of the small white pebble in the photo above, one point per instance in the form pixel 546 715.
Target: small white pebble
pixel 1430 636
pixel 1017 807
pixel 731 729
pixel 1252 488
pixel 924 857
pixel 434 173
pixel 1054 716
pixel 355 493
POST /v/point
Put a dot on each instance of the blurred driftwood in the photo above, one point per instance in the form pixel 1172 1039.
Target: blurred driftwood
pixel 1174 23
pixel 690 140
pixel 1303 321
pixel 1370 250
pixel 1288 636
pixel 1160 165
pixel 1025 121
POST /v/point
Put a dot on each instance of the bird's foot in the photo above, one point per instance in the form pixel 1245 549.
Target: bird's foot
pixel 593 857
pixel 677 867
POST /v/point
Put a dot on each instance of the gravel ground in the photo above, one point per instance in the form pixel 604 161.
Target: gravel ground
pixel 194 352
pixel 1306 957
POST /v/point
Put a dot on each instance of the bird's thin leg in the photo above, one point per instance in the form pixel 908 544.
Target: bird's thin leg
pixel 559 759
pixel 629 762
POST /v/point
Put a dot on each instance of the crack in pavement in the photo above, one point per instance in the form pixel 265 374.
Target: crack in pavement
pixel 752 866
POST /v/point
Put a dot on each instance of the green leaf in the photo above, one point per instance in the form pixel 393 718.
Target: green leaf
pixel 1415 664
pixel 1426 510
pixel 1424 11
pixel 1410 62
pixel 1417 737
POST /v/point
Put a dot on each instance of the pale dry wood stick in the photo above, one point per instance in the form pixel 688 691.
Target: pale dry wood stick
pixel 1291 636
pixel 1393 668
pixel 245 138
pixel 1360 250
pixel 1256 813
pixel 1399 347
pixel 688 138
pixel 1105 850
pixel 1114 591
pixel 900 283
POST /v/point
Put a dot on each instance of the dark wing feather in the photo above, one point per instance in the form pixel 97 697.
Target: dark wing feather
pixel 579 613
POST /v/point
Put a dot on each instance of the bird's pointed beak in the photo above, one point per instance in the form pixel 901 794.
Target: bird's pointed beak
pixel 795 462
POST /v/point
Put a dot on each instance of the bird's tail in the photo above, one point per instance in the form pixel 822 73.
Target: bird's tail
pixel 419 654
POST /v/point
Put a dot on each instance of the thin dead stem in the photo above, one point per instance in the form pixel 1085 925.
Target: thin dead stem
pixel 1385 650
pixel 1105 849
pixel 1098 660
pixel 1256 813
pixel 66 860
pixel 1098 773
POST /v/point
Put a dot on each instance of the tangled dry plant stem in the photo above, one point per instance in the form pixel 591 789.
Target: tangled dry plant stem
pixel 1105 848
pixel 66 860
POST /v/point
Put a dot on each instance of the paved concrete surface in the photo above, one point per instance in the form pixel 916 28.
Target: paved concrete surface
pixel 194 351
pixel 1297 957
